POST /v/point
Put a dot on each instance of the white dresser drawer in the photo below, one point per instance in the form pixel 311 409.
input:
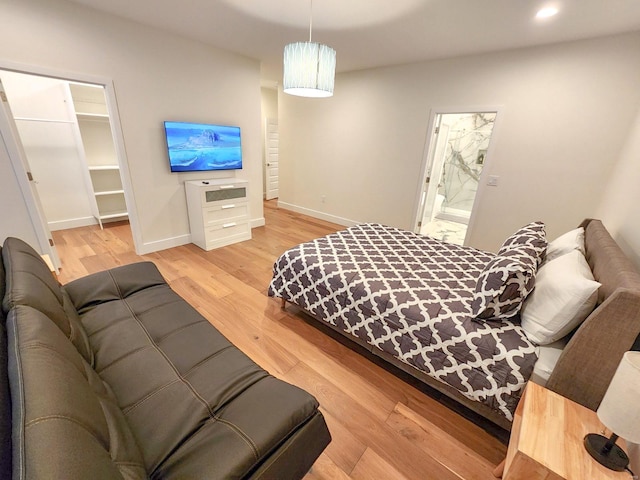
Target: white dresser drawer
pixel 226 234
pixel 218 211
pixel 232 212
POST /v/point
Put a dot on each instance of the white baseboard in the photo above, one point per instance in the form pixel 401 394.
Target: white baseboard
pixel 72 223
pixel 257 222
pixel 321 215
pixel 150 247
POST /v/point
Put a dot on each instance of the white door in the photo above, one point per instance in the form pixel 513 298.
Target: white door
pixel 44 114
pixel 435 164
pixel 26 180
pixel 271 158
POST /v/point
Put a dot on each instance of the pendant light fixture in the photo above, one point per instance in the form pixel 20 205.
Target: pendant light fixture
pixel 309 68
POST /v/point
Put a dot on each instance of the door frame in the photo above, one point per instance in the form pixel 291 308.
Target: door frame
pixel 429 149
pixel 116 132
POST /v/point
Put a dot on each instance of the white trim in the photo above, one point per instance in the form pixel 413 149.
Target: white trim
pixel 434 112
pixel 321 215
pixel 257 222
pixel 157 245
pixel 116 129
pixel 72 223
pixel 151 247
pixel 51 72
pixel 125 175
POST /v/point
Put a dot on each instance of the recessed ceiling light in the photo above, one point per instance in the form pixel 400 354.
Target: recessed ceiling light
pixel 546 12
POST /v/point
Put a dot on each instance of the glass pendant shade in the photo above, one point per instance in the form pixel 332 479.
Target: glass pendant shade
pixel 309 69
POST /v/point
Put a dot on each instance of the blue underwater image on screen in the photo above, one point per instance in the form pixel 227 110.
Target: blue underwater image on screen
pixel 198 147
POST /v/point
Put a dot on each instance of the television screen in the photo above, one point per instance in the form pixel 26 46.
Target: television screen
pixel 196 147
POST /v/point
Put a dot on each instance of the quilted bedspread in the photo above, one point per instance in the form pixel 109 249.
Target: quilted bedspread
pixel 410 296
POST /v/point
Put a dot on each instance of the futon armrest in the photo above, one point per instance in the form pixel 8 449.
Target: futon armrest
pixel 590 359
pixel 114 284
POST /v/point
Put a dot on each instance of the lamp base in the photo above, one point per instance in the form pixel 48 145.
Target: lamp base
pixel 613 458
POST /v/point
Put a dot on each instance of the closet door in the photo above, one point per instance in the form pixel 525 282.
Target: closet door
pixel 18 178
pixel 48 130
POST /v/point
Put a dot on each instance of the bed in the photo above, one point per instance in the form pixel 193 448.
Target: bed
pixel 451 315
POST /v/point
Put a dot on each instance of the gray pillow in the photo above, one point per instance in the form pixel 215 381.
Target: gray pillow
pixel 526 244
pixel 501 288
pixel 510 276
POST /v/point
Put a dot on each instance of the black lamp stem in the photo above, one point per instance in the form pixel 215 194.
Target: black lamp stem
pixel 610 443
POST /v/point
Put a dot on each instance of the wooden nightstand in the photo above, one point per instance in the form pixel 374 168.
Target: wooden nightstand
pixel 547 440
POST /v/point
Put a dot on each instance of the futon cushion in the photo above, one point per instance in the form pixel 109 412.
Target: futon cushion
pixel 5 407
pixel 30 282
pixel 5 401
pixel 198 407
pixel 2 283
pixel 66 423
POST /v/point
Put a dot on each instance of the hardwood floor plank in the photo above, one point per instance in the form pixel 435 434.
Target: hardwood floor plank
pixel 382 426
pixel 325 469
pixel 388 443
pixel 438 443
pixel 471 435
pixel 396 390
pixel 372 467
pixel 345 450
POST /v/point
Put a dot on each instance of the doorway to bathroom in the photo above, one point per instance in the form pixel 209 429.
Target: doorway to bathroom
pixel 458 149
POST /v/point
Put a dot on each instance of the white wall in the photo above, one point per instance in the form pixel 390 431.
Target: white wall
pixel 157 76
pixel 566 110
pixel 619 208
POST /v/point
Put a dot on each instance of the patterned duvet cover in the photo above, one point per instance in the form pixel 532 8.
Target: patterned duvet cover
pixel 410 296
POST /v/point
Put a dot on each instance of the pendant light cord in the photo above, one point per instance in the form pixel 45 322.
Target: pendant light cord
pixel 310 19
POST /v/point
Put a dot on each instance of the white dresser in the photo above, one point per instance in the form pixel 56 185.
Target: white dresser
pixel 218 212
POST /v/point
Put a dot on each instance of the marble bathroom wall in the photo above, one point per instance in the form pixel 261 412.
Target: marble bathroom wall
pixel 465 153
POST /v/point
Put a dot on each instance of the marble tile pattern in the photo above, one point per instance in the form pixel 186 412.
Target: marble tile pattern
pixel 451 232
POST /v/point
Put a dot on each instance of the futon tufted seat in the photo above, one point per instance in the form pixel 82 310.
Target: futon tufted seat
pixel 115 376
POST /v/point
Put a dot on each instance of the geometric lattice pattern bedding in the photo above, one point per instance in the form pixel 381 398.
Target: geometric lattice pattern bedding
pixel 410 296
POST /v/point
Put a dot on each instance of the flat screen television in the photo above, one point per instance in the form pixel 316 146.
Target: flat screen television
pixel 198 147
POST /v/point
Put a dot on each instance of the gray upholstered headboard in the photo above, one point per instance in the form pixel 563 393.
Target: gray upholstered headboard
pixel 609 264
pixel 588 362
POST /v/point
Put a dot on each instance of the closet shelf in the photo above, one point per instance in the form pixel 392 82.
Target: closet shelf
pixel 109 192
pixel 98 117
pixel 103 167
pixel 100 153
pixel 108 215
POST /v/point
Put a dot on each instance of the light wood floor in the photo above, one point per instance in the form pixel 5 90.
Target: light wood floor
pixel 382 427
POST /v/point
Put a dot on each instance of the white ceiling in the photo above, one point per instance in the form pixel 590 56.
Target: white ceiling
pixel 371 33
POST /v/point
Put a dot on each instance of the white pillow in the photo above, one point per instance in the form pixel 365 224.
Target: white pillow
pixel 572 240
pixel 565 294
